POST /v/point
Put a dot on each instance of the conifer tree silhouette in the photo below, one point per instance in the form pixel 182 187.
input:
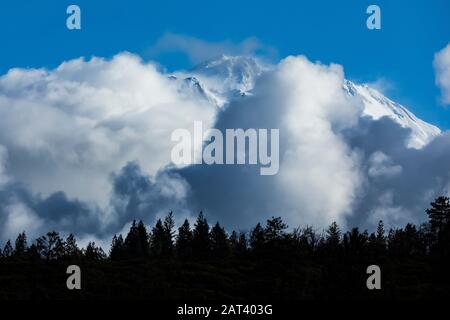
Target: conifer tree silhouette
pixel 50 246
pixel 220 247
pixel 274 229
pixel 133 244
pixel 8 250
pixel 71 249
pixel 169 224
pixel 333 235
pixel 242 245
pixel 143 239
pixel 200 239
pixel 117 248
pixel 157 239
pixel 94 253
pixel 439 214
pixel 257 238
pixel 184 240
pixel 21 244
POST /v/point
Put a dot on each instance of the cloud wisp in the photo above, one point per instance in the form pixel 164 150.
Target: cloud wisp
pixel 198 50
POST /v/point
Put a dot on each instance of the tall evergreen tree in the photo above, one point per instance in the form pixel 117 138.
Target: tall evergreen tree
pixel 21 244
pixel 333 238
pixel 242 245
pixel 133 243
pixel 220 247
pixel 257 238
pixel 8 250
pixel 169 233
pixel 161 243
pixel 275 229
pixel 233 240
pixel 379 242
pixel 200 240
pixel 51 246
pixel 381 238
pixel 143 239
pixel 94 253
pixel 184 240
pixel 157 239
pixel 117 248
pixel 439 214
pixel 71 249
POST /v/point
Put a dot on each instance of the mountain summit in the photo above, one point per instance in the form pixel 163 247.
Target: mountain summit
pixel 228 77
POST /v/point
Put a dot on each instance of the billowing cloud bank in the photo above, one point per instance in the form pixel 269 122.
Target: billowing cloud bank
pixel 85 148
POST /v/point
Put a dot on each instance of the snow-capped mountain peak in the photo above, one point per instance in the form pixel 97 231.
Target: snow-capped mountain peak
pixel 376 105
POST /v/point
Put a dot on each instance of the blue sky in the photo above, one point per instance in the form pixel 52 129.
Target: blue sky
pixel 33 34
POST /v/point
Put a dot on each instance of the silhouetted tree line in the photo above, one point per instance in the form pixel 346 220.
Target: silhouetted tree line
pixel 203 261
pixel 204 242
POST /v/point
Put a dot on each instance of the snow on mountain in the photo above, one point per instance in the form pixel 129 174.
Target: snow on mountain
pixel 228 77
pixel 376 105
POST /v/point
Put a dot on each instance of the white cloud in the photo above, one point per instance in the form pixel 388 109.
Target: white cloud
pixel 381 165
pixel 319 171
pixel 441 65
pixel 20 218
pixel 69 128
pixel 4 179
pixel 393 216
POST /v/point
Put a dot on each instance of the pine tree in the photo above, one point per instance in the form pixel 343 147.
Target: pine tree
pixel 158 243
pixel 184 240
pixel 94 253
pixel 71 249
pixel 57 244
pixel 117 248
pixel 275 229
pixel 439 214
pixel 169 224
pixel 51 246
pixel 381 238
pixel 233 240
pixel 257 238
pixel 220 248
pixel 8 249
pixel 333 235
pixel 309 239
pixel 200 240
pixel 21 244
pixel 242 245
pixel 143 239
pixel 133 246
pixel 357 241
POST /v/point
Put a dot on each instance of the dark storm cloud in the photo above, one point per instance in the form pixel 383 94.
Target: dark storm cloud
pixel 136 195
pixel 21 209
